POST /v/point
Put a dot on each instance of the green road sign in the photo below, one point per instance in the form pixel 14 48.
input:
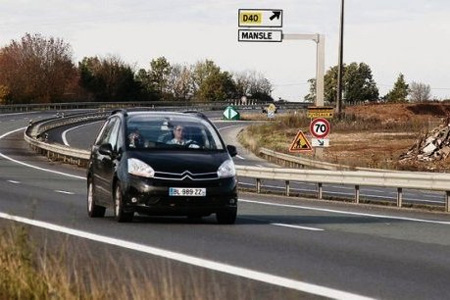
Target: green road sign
pixel 231 113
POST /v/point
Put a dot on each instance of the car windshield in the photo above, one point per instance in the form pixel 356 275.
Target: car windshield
pixel 171 132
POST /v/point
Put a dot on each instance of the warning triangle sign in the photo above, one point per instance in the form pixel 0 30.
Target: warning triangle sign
pixel 300 143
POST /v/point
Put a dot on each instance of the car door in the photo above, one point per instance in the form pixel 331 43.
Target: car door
pixel 104 165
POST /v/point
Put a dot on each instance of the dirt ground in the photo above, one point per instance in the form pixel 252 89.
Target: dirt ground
pixel 377 149
pixel 372 135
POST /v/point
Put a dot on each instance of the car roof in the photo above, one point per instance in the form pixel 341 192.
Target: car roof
pixel 128 113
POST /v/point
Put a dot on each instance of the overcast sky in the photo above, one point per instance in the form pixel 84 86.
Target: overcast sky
pixel 392 36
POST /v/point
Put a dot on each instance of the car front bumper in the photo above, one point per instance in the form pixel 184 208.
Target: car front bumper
pixel 151 196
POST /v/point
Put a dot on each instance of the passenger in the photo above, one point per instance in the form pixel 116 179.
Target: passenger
pixel 135 139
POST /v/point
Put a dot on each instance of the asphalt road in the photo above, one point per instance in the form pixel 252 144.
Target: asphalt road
pixel 284 248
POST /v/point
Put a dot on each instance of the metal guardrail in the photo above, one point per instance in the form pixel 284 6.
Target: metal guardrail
pixel 216 105
pixel 34 135
pixel 398 180
pixel 301 162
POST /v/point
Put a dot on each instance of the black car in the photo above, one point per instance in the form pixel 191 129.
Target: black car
pixel 161 163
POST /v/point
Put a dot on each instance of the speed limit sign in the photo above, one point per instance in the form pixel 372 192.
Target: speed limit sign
pixel 319 128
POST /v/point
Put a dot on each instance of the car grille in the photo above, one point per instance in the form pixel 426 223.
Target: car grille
pixel 186 175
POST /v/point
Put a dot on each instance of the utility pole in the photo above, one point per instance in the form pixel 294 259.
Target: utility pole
pixel 340 64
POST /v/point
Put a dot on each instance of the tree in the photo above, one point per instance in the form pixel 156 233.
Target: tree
pixel 108 79
pixel 419 92
pixel 201 71
pixel 180 82
pixel 159 75
pixel 399 92
pixel 253 84
pixel 4 94
pixel 218 86
pixel 330 84
pixel 36 69
pixel 311 97
pixel 358 84
pixel 147 90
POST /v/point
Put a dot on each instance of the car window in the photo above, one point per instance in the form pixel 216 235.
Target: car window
pixel 114 133
pixel 159 132
pixel 109 133
pixel 102 133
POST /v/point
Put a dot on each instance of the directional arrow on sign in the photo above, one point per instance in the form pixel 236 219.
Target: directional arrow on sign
pixel 276 14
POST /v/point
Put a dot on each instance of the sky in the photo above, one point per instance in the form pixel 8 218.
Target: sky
pixel 391 36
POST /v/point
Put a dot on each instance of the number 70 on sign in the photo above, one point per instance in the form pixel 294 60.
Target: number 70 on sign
pixel 319 128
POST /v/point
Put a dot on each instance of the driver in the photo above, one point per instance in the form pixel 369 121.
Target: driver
pixel 178 136
pixel 179 139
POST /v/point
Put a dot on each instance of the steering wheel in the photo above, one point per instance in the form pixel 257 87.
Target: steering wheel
pixel 192 144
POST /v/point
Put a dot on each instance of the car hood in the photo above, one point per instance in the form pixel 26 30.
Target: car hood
pixel 181 161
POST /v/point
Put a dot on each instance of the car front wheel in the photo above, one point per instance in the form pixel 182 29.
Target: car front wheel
pixel 119 213
pixel 94 210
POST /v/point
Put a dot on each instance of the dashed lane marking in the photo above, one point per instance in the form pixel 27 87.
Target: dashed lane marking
pixel 64 192
pixel 297 227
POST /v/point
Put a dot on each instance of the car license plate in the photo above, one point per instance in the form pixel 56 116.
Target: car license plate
pixel 191 192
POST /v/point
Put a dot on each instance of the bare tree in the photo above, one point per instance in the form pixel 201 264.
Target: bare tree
pixel 36 69
pixel 419 92
pixel 253 84
pixel 180 82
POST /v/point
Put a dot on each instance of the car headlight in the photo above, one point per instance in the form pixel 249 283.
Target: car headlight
pixel 226 169
pixel 140 168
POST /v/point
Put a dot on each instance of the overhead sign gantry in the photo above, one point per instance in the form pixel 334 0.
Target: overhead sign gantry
pixel 263 20
pixel 259 27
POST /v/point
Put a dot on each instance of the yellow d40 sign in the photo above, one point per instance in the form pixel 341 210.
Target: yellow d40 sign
pixel 260 18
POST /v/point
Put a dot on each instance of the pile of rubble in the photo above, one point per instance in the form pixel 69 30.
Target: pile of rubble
pixel 432 147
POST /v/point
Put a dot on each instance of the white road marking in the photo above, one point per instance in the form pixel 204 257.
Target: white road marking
pixel 14 181
pixel 64 192
pixel 226 127
pixel 297 227
pixel 347 212
pixel 195 261
pixel 240 157
pixel 64 138
pixel 35 167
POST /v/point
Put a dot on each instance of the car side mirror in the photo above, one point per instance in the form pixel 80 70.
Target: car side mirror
pixel 105 149
pixel 232 150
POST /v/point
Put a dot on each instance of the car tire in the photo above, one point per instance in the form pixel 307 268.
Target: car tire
pixel 94 210
pixel 226 216
pixel 119 213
